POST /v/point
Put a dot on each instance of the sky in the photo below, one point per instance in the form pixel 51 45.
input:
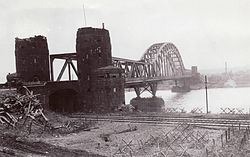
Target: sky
pixel 207 33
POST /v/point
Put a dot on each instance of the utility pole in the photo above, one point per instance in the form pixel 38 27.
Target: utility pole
pixel 206 93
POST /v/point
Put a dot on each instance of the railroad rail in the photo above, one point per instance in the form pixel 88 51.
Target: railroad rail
pixel 165 120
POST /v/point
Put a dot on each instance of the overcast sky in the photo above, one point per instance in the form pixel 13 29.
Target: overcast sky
pixel 206 32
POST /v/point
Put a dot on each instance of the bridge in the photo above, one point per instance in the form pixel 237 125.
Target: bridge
pixel 101 78
pixel 160 62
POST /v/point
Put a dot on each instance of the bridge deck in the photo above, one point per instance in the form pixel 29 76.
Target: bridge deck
pixel 137 81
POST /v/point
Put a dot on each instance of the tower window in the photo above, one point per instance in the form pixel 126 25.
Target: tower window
pixel 35 61
pixel 114 89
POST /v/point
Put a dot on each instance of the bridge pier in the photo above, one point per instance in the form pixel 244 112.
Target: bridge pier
pixel 153 87
pixel 152 104
pixel 150 87
pixel 182 87
pixel 137 91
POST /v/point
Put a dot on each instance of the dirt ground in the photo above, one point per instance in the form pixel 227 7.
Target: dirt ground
pixel 111 139
pixel 19 142
pixel 67 136
pixel 80 137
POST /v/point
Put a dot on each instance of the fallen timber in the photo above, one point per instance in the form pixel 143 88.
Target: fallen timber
pixel 25 107
pixel 164 120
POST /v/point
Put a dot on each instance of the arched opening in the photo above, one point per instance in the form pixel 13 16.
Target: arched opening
pixel 65 100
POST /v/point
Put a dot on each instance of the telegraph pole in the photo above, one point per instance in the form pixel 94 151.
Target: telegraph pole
pixel 206 93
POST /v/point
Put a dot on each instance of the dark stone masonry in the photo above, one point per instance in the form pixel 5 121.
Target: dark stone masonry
pixel 100 85
pixel 32 59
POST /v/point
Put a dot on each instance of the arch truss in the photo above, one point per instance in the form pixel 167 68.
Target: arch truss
pixel 165 60
pixel 161 60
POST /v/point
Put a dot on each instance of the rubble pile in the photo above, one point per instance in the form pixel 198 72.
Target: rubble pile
pixel 73 127
pixel 24 112
pixel 23 125
pixel 15 108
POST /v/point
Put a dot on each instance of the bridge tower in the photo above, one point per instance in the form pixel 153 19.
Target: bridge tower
pixel 32 59
pixel 101 84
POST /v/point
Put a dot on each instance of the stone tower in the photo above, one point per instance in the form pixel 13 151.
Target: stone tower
pixel 32 59
pixel 93 49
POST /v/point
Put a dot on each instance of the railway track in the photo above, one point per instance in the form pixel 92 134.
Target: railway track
pixel 166 120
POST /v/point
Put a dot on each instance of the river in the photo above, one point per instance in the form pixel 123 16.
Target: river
pixel 217 98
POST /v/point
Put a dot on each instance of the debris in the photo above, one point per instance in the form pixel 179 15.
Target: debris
pixel 7 151
pixel 126 108
pixel 131 128
pixel 105 137
pixel 17 107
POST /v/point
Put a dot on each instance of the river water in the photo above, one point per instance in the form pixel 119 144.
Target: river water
pixel 217 98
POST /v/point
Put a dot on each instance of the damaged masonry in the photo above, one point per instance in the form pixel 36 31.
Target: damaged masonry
pixel 100 85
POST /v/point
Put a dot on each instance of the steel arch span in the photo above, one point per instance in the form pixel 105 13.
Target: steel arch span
pixel 164 59
pixel 161 61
